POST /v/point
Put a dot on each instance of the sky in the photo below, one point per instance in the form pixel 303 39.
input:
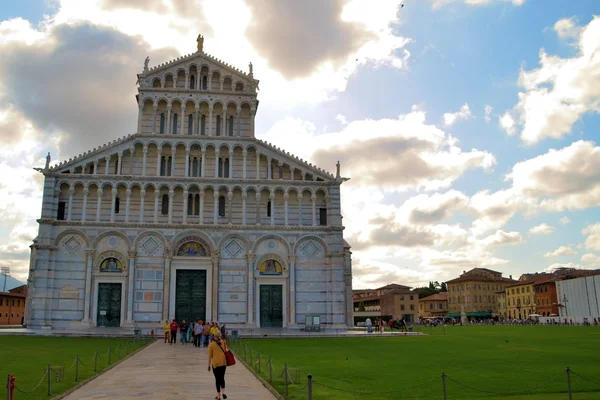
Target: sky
pixel 469 129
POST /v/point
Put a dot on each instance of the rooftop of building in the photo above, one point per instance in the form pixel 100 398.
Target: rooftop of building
pixel 7 282
pixel 442 296
pixel 11 294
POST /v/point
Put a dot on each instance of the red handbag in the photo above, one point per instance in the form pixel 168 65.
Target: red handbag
pixel 230 359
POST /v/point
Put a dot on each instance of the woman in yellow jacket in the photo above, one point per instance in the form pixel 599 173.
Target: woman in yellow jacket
pixel 167 330
pixel 216 355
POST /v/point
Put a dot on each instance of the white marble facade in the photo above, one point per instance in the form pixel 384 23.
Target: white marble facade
pixel 193 176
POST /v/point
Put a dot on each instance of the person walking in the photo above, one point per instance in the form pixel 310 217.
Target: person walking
pixel 174 327
pixel 205 334
pixel 197 333
pixel 183 328
pixel 369 325
pixel 216 357
pixel 190 335
pixel 167 331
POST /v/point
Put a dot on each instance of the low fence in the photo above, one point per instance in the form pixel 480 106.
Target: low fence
pixel 292 383
pixel 54 375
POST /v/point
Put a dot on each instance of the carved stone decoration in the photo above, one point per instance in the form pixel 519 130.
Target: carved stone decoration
pixel 233 249
pixel 113 242
pixel 68 292
pixel 309 249
pixel 151 246
pixel 72 244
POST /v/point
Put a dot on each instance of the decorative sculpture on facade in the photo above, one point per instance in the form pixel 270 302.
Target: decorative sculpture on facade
pixel 146 64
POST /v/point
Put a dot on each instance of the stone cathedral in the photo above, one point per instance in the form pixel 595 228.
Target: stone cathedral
pixel 191 217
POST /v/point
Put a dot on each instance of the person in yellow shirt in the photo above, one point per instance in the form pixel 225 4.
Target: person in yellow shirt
pixel 167 330
pixel 216 357
pixel 213 329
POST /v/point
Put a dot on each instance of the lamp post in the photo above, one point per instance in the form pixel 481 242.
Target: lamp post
pixel 565 303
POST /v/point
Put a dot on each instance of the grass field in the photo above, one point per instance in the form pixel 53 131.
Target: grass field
pixel 494 359
pixel 27 358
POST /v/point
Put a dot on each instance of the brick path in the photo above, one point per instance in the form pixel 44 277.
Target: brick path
pixel 162 371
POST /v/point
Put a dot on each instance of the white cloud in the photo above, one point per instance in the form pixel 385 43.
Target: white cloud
pixel 560 252
pixel 488 112
pixel 567 28
pixel 507 122
pixel 502 238
pixel 463 113
pixel 342 119
pixel 541 229
pixel 561 90
pixel 441 3
pixel 565 220
pixel 590 258
pixel 592 242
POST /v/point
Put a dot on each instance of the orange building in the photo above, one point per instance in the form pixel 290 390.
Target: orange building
pixel 435 305
pixel 12 306
pixel 546 298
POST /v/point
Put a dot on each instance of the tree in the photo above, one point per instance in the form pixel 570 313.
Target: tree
pixel 361 306
pixel 444 287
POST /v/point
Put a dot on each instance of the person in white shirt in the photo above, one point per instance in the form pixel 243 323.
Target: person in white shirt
pixel 369 325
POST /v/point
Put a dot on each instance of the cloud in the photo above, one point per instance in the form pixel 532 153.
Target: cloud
pixel 342 119
pixel 590 258
pixel 567 28
pixel 561 90
pixel 507 122
pixel 541 229
pixel 440 3
pixel 463 113
pixel 560 252
pixel 425 209
pixel 565 220
pixel 592 242
pixel 488 112
pixel 502 238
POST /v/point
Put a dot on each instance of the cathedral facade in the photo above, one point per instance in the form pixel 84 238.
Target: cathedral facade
pixel 191 217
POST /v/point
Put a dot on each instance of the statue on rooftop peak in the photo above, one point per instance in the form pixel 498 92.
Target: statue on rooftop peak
pixel 251 74
pixel 337 175
pixel 200 41
pixel 47 161
pixel 146 62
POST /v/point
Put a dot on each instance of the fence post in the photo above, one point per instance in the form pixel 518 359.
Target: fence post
pixel 96 361
pixel 109 350
pixel 569 383
pixel 245 358
pixel 309 385
pixel 285 376
pixel 251 358
pixel 49 380
pixel 444 384
pixel 77 368
pixel 259 362
pixel 270 370
pixel 8 390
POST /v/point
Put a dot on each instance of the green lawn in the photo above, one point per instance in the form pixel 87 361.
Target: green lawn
pixel 27 358
pixel 476 359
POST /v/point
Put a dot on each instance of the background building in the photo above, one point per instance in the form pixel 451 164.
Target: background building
pixel 192 217
pixel 390 301
pixel 546 298
pixel 435 305
pixel 520 299
pixel 501 302
pixel 12 306
pixel 475 290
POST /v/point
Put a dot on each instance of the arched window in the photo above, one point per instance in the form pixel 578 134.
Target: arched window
pixel 269 209
pixel 174 131
pixel 230 126
pixel 117 205
pixel 117 167
pixel 165 204
pixel 169 163
pixel 219 125
pixel 195 167
pixel 197 205
pixel 190 205
pixel 163 165
pixel 205 82
pixel 221 206
pixel 190 124
pixel 226 168
pixel 203 125
pixel 162 122
pixel 192 82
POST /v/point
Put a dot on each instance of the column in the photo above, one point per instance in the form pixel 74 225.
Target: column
pixel 201 221
pixel 217 152
pixel 252 112
pixel 239 122
pixel 229 206
pixel 231 164
pixel 166 288
pixel 185 205
pixel 202 163
pixel 130 289
pixel 292 281
pixel 314 209
pixel 187 79
pixel 285 200
pixel 100 193
pixel 70 206
pixel 86 191
pixel 292 173
pixel 156 197
pixel 89 260
pixel 299 209
pixel 280 167
pixel 196 130
pixel 187 163
pixel 224 123
pixel 168 127
pixel 128 203
pixel 112 205
pixel 209 81
pixel 171 198
pixel 244 197
pixel 216 208
pixel 209 122
pixel 244 155
pixel 269 169
pixel 215 288
pixel 119 162
pixel 222 81
pixel 272 198
pixel 258 198
pixel 131 154
pixel 250 301
pixel 140 117
pixel 257 165
pixel 158 157
pixel 107 159
pixel 154 111
pixel 182 120
pixel 95 167
pixel 142 197
pixel 173 155
pixel 145 153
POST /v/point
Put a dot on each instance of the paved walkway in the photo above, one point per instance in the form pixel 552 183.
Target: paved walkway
pixel 163 371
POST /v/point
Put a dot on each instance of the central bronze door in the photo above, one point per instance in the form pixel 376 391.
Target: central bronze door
pixel 271 306
pixel 190 295
pixel 109 305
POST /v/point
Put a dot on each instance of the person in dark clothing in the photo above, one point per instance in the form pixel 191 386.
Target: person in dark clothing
pixel 183 328
pixel 174 328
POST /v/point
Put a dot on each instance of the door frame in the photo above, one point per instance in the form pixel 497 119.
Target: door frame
pixel 193 263
pixel 97 282
pixel 284 301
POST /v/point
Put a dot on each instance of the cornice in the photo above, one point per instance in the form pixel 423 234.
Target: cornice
pixel 200 94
